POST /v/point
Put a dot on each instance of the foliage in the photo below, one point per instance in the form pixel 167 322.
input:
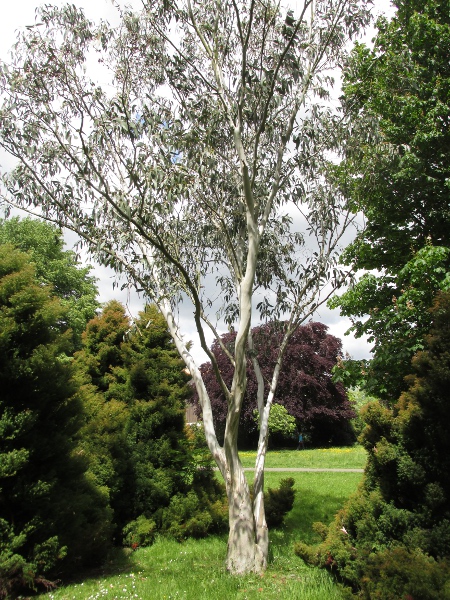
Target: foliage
pixel 103 438
pixel 398 315
pixel 359 399
pixel 204 509
pixel 182 172
pixel 281 423
pixel 52 517
pixel 402 573
pixel 159 453
pixel 279 502
pixel 404 499
pixel 134 391
pixel 398 177
pixel 140 532
pixel 350 372
pixel 401 85
pixel 184 517
pixel 195 435
pixel 305 385
pixel 55 266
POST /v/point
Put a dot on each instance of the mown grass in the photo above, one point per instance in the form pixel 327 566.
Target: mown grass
pixel 194 570
pixel 316 458
pixel 318 498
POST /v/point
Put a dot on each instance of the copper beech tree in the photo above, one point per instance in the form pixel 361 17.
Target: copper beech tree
pixel 305 384
pixel 188 148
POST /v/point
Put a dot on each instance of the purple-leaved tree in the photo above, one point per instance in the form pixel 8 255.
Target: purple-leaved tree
pixel 305 386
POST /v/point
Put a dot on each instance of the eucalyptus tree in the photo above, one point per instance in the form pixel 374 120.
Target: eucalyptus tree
pixel 198 170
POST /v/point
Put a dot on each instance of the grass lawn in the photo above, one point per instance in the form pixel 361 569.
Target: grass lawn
pixel 318 458
pixel 194 570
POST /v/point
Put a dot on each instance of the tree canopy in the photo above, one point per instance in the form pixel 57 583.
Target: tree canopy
pixel 305 385
pixel 71 282
pixel 198 169
pixel 399 94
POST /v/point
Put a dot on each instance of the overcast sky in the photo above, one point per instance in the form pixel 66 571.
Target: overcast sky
pixel 19 13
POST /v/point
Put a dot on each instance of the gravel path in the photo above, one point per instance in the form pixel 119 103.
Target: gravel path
pixel 306 470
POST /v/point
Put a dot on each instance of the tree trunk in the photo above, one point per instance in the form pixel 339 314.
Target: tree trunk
pixel 245 553
pixel 247 549
pixel 259 513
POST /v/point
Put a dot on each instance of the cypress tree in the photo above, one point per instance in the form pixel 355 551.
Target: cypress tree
pixel 52 518
pixel 134 388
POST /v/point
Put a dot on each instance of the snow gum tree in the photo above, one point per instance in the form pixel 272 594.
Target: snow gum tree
pixel 188 148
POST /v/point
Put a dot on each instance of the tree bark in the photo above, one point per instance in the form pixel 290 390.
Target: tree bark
pixel 245 553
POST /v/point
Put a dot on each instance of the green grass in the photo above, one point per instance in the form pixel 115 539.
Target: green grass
pixel 319 496
pixel 318 458
pixel 195 570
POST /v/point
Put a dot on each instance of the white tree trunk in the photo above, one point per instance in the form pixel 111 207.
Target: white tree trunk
pixel 259 515
pixel 243 554
pixel 247 540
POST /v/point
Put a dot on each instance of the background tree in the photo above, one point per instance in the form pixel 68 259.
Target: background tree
pixel 305 384
pixel 134 389
pixel 398 92
pixel 353 375
pixel 392 539
pixel 350 372
pixel 201 163
pixel 401 513
pixel 282 425
pixel 71 282
pixel 52 517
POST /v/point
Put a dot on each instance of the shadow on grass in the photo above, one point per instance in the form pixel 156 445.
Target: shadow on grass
pixel 119 560
pixel 311 506
pixel 319 496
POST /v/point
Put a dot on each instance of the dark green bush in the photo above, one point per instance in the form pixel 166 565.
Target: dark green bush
pixel 53 519
pixel 20 573
pixel 402 574
pixel 278 502
pixel 185 517
pixel 151 465
pixel 204 509
pixel 307 552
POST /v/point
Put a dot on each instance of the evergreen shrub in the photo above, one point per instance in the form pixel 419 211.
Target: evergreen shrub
pixel 53 519
pixel 278 502
pixel 405 574
pixel 392 538
pixel 140 532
